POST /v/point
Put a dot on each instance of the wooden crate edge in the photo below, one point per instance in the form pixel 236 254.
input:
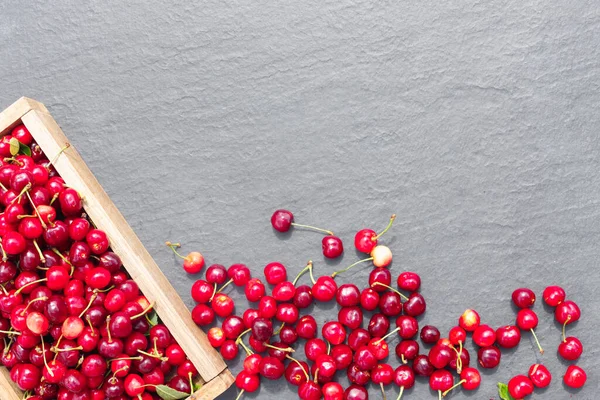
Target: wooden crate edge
pixel 212 389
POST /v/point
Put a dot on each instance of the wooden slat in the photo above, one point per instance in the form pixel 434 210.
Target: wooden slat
pixel 136 259
pixel 8 389
pixel 12 115
pixel 215 387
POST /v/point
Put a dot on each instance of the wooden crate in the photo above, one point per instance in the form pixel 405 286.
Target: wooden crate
pixel 215 376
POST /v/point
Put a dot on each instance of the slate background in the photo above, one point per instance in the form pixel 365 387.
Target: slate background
pixel 477 123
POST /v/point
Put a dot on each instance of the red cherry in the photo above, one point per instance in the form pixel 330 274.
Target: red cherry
pixel 356 392
pixel 575 377
pixel 404 377
pixel 520 386
pixel 275 273
pixel 410 281
pixel 489 357
pixel 365 359
pixel 296 373
pixel 334 332
pixel 97 240
pixel 202 291
pixel 306 327
pixel 369 299
pixel 239 274
pixel 366 239
pixel 441 380
pixel 314 347
pixel 13 243
pixel 332 246
pixel 342 355
pixel 351 317
pixel 271 368
pixel 324 289
pixel 247 382
pixel 358 338
pixel 348 295
pixel 407 350
pixel 523 298
pixel 381 276
pixel 570 348
pixel 254 290
pixel 333 391
pixel 554 295
pixel 379 324
pixel 430 334
pixel 287 313
pixel 539 375
pixel 21 133
pixel 216 337
pixel 222 305
pixel 567 312
pixel 508 336
pixel 527 320
pixel 309 391
pixel 283 220
pixel 484 336
pixel 469 320
pixel 229 349
pixel 284 291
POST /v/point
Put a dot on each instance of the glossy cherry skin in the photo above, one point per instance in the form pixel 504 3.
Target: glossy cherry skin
pixel 379 348
pixel 365 240
pixel 408 326
pixel 262 329
pixel 313 348
pixel 294 373
pixel 382 276
pixel 326 365
pixel 469 320
pixel 358 337
pixel 441 380
pixel 409 281
pixel 229 349
pixel 369 299
pixel 332 246
pixel 570 349
pixel 554 295
pixel 484 336
pixel 390 304
pixel 527 319
pixel 382 374
pixel 342 356
pixel 203 315
pixel 216 337
pixel 357 375
pixel 281 220
pixel 575 377
pixel 471 377
pixel 223 305
pixel 247 382
pixel 284 291
pixel 307 327
pixel 324 289
pixel 508 336
pixel 520 386
pixel 333 391
pixel 275 273
pixel 356 392
pixel 539 375
pixel 239 273
pixel 523 298
pixel 404 377
pixel 271 368
pixel 232 327
pixel 267 306
pixel 440 356
pixel 28 377
pixel 407 350
pixel 365 359
pixel 489 357
pixel 288 313
pixel 351 317
pixel 378 325
pixel 567 312
pixel 415 305
pixel 288 335
pixel 422 366
pixel 303 296
pixel 430 334
pixel 309 391
pixel 348 295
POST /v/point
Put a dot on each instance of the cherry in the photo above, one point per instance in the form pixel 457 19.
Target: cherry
pixel 570 348
pixel 356 392
pixel 409 281
pixel 21 133
pixel 358 376
pixel 75 381
pixel 287 313
pixel 216 337
pixel 404 377
pixel 415 305
pixel 358 338
pixel 469 320
pixel 430 334
pixel 202 291
pixel 378 325
pixel 489 357
pixel 333 391
pixel 575 377
pixel 98 278
pixel 267 307
pixel 303 296
pixel 275 273
pixel 284 291
pixel 8 271
pixel 229 349
pixel 381 255
pixel 28 377
pixel 262 329
pixel 369 299
pixel 539 375
pixel 366 239
pixel 332 246
pixel 390 304
pixel 527 320
pixel 351 317
pixel 72 327
pixel 523 298
pixel 247 382
pixel 407 350
pixel 342 355
pixel 554 295
pixel 567 312
pixel 57 278
pixel 309 391
pixel 379 347
pixel 252 363
pixel 288 335
pixel 222 305
pixel 232 327
pixel 422 366
pixel 314 347
pixel 324 289
pixel 508 336
pixel 382 374
pixel 407 326
pixel 326 365
pixel 520 386
pixel 203 315
pixel 37 323
pixel 249 316
pixel 179 383
pixel 30 228
pixel 440 356
pixel 296 372
pixel 307 327
pixel 278 350
pixel 216 273
pixel 271 368
pixel 13 243
pixel 97 240
pixel 441 380
pixel 283 220
pixel 484 336
pixel 365 359
pixel 93 366
pixel 382 276
pixel 347 295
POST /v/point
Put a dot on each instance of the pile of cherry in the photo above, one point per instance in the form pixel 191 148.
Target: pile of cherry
pixel 275 326
pixel 73 325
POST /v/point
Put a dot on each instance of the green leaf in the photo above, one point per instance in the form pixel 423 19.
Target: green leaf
pixel 503 391
pixel 152 318
pixel 15 145
pixel 168 393
pixel 24 149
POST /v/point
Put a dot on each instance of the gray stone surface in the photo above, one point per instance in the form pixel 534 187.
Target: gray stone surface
pixel 476 123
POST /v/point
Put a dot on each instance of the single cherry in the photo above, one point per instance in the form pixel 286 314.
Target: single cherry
pixel 523 298
pixel 539 375
pixel 469 320
pixel 489 357
pixel 527 320
pixel 575 377
pixel 366 239
pixel 508 336
pixel 332 246
pixel 283 220
pixel 520 386
pixel 554 295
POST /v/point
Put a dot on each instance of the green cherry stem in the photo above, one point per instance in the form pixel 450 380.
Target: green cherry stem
pixel 444 394
pixel 390 288
pixel 308 265
pixel 310 271
pixel 301 366
pixel 174 246
pixel 312 227
pixel 389 225
pixel 401 391
pixel 564 327
pixel 352 265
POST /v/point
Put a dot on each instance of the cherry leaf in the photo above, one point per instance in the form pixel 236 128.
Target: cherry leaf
pixel 24 149
pixel 15 145
pixel 503 391
pixel 167 393
pixel 152 318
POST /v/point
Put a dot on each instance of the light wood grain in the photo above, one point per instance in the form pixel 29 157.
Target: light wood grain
pixel 136 259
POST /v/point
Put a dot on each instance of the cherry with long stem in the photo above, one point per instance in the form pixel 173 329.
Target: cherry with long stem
pixel 333 275
pixel 390 288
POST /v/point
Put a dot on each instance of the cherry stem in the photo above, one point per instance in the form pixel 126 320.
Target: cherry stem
pixel 440 395
pixel 246 349
pixel 401 391
pixel 66 146
pixel 404 360
pixel 537 341
pixel 157 356
pixel 43 298
pixel 92 299
pixel 453 387
pixel 108 329
pixel 564 327
pixel 36 212
pixel 316 375
pixel 302 272
pixel 37 247
pixel 23 191
pixel 287 349
pixel 312 227
pixel 310 272
pixel 4 256
pixel 328 348
pixel 300 364
pixel 223 287
pixel 58 253
pixel 123 368
pixel 11 332
pixel 242 334
pixel 279 329
pixel 174 246
pixel 458 359
pixel 125 358
pixel 388 335
pixel 382 390
pixel 240 394
pixel 29 284
pixel 390 288
pixel 56 350
pixel 56 345
pixel 150 307
pixel 389 225
pixel 44 357
pixel 191 383
pixel 347 268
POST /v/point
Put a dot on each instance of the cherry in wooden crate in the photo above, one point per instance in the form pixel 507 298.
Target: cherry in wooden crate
pixel 214 375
